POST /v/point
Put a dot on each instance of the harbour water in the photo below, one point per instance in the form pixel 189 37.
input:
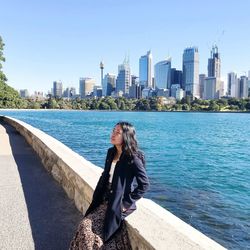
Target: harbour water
pixel 198 163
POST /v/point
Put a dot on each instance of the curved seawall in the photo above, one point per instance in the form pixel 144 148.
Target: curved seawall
pixel 149 227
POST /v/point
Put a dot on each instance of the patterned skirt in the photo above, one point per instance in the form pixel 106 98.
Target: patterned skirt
pixel 89 233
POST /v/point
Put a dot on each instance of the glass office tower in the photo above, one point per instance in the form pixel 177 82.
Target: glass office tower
pixel 163 74
pixel 145 70
pixel 191 71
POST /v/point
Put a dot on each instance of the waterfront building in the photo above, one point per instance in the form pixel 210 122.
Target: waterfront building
pixel 213 88
pixel 191 72
pixel 24 93
pixel 72 91
pixel 148 92
pixel 134 79
pixel 214 63
pixel 162 92
pixel 69 92
pixel 237 88
pixel 243 87
pixel 232 85
pixel 145 70
pixel 97 92
pixel 176 77
pixel 108 85
pixel 163 74
pixel 180 93
pixel 153 82
pixel 135 88
pixel 201 83
pixel 174 89
pixel 38 95
pixel 248 83
pixel 123 80
pixel 135 91
pixel 57 89
pixel 86 87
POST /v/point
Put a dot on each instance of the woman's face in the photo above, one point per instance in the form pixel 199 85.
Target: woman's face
pixel 116 136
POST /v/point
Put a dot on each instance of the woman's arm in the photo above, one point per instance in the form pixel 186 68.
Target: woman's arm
pixel 141 178
pixel 100 187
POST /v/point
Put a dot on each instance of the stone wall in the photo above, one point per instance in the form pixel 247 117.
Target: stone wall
pixel 149 227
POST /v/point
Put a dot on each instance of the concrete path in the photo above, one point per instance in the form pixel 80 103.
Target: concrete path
pixel 35 213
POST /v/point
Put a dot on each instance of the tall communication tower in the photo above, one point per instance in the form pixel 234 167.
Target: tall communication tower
pixel 101 67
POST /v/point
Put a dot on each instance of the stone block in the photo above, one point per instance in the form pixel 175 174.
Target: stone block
pixel 56 172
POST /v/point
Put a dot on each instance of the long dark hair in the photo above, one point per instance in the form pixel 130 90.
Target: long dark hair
pixel 130 144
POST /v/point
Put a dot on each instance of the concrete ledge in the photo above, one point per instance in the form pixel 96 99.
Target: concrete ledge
pixel 149 227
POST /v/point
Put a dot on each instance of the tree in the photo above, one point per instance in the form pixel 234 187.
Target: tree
pixel 185 107
pixel 195 107
pixel 36 105
pixel 213 106
pixel 247 106
pixel 153 103
pixel 186 100
pixel 222 102
pixel 104 106
pixel 122 105
pixel 9 97
pixel 52 104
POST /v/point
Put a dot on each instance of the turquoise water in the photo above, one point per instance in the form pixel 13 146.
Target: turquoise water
pixel 198 163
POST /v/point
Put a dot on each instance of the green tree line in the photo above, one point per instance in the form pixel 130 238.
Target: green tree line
pixel 149 104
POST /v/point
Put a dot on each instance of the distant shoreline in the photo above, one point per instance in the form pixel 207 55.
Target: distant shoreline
pixel 144 111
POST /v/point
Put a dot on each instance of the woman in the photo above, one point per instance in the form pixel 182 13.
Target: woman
pixel 122 183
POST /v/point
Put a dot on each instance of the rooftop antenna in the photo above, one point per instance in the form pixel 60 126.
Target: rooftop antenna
pixel 128 58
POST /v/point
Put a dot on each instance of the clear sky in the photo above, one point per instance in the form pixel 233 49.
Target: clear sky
pixel 64 40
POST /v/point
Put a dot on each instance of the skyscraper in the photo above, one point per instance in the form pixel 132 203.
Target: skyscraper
pixel 176 77
pixel 123 78
pixel 163 74
pixel 135 88
pixel 57 89
pixel 108 84
pixel 232 85
pixel 214 63
pixel 69 92
pixel 202 83
pixel 145 70
pixel 248 83
pixel 243 87
pixel 191 71
pixel 97 92
pixel 213 86
pixel 210 91
pixel 86 86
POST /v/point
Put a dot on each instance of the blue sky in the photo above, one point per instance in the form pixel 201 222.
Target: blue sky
pixel 65 40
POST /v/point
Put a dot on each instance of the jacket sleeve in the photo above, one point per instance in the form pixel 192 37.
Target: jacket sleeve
pixel 99 190
pixel 141 178
pixel 97 195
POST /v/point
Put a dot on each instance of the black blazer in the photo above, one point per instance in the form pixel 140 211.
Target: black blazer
pixel 129 183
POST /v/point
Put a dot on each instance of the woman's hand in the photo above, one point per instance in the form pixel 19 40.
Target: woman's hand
pixel 124 209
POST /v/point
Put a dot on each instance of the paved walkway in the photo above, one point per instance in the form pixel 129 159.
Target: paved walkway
pixel 35 213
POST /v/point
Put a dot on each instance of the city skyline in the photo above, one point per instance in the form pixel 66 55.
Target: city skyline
pixel 47 42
